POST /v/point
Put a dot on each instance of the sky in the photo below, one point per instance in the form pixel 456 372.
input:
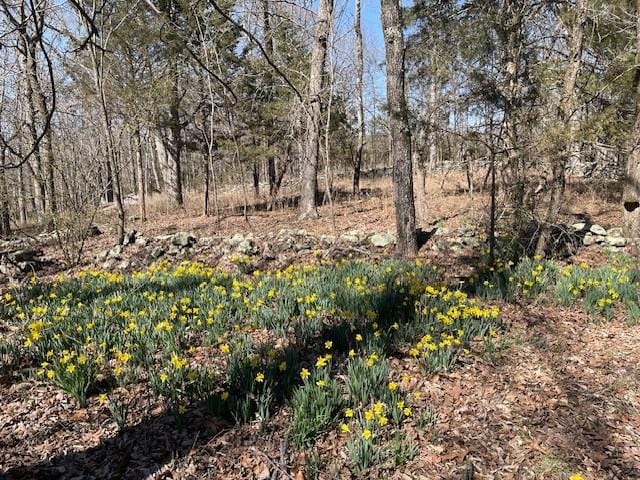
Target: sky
pixel 371 23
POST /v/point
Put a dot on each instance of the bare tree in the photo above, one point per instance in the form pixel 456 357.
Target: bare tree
pixel 311 150
pixel 359 98
pixel 631 193
pixel 399 129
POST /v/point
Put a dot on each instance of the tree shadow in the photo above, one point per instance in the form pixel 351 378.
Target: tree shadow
pixel 135 452
pixel 585 432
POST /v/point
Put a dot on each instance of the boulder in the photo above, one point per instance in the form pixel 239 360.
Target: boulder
pixel 591 239
pixel 124 265
pixel 183 240
pixel 102 256
pixel 598 230
pixel 615 232
pixel 115 253
pixel 578 227
pixel 247 247
pixel 237 239
pixel 616 241
pixel 382 239
pixel 157 252
pixel 141 241
pixel 353 236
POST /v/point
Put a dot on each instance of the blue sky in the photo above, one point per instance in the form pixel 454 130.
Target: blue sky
pixel 371 23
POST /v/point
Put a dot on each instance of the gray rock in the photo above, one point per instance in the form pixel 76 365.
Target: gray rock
pixel 247 247
pixel 598 230
pixel 109 264
pixel 328 239
pixel 578 227
pixel 102 256
pixel 615 232
pixel 613 241
pixel 157 252
pixel 292 232
pixel 142 241
pixel 353 236
pixel 115 253
pixel 442 231
pixel 382 239
pixel 183 240
pixel 589 239
pixel 124 265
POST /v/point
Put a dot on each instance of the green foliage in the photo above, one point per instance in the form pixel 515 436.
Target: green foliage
pixel 367 379
pixel 402 449
pixel 600 289
pixel 524 280
pixel 448 322
pixel 315 405
pixel 363 453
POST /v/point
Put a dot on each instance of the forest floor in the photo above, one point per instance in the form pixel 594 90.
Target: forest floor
pixel 558 396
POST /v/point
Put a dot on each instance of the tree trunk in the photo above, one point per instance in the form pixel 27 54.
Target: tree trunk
pixel 406 244
pixel 173 179
pixel 47 143
pixel 512 25
pixel 139 164
pixel 564 117
pixel 256 181
pixel 311 150
pixel 22 197
pixel 433 107
pixel 269 48
pixel 5 217
pixel 359 97
pixel 631 192
pixel 36 167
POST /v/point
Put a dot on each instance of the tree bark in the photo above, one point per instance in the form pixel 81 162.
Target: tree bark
pixel 406 244
pixel 139 164
pixel 631 192
pixel 564 117
pixel 22 197
pixel 512 38
pixel 269 48
pixel 5 216
pixel 433 145
pixel 36 167
pixel 359 52
pixel 39 100
pixel 311 151
pixel 173 166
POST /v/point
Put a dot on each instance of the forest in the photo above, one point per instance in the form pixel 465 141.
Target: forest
pixel 296 239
